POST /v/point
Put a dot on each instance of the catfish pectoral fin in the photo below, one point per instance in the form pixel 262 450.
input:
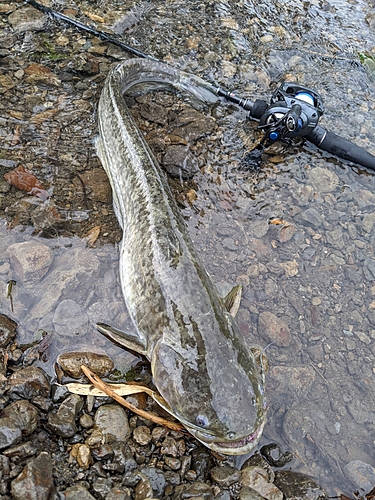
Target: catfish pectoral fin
pixel 129 340
pixel 233 299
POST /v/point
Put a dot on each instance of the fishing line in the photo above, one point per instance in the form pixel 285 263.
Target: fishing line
pixel 293 111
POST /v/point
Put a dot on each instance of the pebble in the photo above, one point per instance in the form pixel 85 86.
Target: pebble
pixel 26 19
pixel 30 260
pixel 86 421
pixel 71 363
pixel 191 125
pixel 273 329
pixel 112 423
pixel 156 479
pixel 247 493
pixel 63 422
pixel 35 481
pixel 257 478
pixel 83 455
pixel 311 217
pixel 24 414
pixel 195 490
pixel 10 433
pixel 117 493
pixel 97 180
pixel 142 435
pixel 225 476
pixel 65 277
pixel 28 383
pixel 78 491
pixel 179 162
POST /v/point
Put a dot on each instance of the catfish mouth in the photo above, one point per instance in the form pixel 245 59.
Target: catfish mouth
pixel 239 447
pixel 248 442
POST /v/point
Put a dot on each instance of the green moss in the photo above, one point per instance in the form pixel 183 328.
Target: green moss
pixel 47 51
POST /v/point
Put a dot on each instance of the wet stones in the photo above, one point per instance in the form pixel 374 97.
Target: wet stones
pixel 225 476
pixel 28 383
pixel 111 423
pixel 8 330
pixel 192 125
pixel 64 277
pixel 259 480
pixel 30 260
pixel 35 481
pixel 63 422
pixel 179 162
pixel 362 474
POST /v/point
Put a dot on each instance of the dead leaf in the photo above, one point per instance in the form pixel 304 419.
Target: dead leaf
pixel 15 114
pixel 6 83
pixel 94 17
pixel 277 221
pixel 92 236
pixel 43 116
pixel 16 139
pixel 191 196
pixel 37 73
pixel 25 180
pixel 92 390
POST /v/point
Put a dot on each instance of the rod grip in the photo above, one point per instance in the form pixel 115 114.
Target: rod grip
pixel 336 145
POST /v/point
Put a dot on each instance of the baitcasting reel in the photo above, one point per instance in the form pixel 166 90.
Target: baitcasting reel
pixel 294 111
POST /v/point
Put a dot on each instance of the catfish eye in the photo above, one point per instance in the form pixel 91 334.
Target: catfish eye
pixel 201 420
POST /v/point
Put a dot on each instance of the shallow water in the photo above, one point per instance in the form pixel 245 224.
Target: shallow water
pixel 315 270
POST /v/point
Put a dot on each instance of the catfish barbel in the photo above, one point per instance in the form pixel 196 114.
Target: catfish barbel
pixel 206 375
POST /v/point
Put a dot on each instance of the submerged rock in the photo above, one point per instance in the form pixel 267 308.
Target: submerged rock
pixel 298 486
pixel 70 318
pixel 30 260
pixel 273 329
pixel 361 474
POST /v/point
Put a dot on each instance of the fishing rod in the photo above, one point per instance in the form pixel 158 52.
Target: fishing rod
pixel 293 111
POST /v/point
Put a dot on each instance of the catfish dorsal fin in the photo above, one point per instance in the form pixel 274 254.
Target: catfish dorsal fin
pixel 233 299
pixel 129 340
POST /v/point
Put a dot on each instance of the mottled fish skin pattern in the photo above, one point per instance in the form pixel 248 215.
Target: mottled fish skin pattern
pixel 201 364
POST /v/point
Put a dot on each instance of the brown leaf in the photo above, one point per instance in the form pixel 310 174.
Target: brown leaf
pixel 23 179
pixel 37 73
pixel 43 116
pixel 94 17
pixel 92 236
pixel 6 83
